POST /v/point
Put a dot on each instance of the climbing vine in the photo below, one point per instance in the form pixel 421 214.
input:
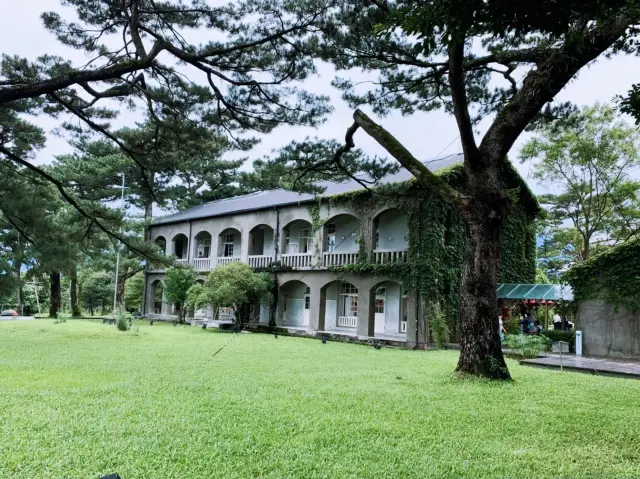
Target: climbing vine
pixel 613 275
pixel 436 240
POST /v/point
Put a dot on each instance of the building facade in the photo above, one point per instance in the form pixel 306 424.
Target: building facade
pixel 342 262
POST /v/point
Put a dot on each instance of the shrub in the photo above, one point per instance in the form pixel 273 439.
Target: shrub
pixel 529 346
pixel 122 323
pixel 511 326
pixel 439 327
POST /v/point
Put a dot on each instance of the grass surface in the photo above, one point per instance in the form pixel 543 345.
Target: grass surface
pixel 79 399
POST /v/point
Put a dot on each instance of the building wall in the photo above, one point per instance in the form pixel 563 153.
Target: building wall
pixel 393 230
pixel 346 234
pixel 607 331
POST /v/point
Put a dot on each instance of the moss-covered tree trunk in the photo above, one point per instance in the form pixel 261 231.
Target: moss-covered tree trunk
pixel 54 304
pixel 480 348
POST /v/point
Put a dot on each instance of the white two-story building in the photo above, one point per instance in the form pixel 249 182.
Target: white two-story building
pixel 301 241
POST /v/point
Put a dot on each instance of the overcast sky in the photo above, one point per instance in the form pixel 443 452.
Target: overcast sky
pixel 425 135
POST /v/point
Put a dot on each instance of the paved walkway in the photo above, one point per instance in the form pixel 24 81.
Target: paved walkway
pixel 608 367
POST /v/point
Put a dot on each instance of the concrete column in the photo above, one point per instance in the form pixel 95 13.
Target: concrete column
pixel 317 308
pixel 165 310
pixel 280 308
pixel 412 323
pixel 366 312
pixel 244 246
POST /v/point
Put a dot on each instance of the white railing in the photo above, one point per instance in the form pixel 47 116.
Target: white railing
pixel 156 269
pixel 201 264
pixel 335 258
pixel 229 259
pixel 384 256
pixel 182 262
pixel 403 326
pixel 347 321
pixel 260 261
pixel 300 260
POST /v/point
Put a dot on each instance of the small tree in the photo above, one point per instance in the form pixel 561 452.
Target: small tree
pixel 176 287
pixel 235 285
pixel 97 290
pixel 133 292
pixel 589 159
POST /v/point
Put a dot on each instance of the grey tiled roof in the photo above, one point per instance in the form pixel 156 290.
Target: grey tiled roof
pixel 268 199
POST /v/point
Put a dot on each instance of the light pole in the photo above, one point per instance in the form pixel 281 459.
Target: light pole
pixel 115 287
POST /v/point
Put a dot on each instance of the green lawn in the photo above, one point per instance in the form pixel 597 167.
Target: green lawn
pixel 79 399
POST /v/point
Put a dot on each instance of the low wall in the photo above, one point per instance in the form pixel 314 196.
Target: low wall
pixel 607 331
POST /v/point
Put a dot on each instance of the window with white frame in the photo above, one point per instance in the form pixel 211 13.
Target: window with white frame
pixel 377 230
pixel 307 298
pixel 331 236
pixel 349 300
pixel 203 248
pixel 228 240
pixel 305 242
pixel 381 296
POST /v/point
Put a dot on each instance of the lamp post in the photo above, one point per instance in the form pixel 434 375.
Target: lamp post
pixel 115 287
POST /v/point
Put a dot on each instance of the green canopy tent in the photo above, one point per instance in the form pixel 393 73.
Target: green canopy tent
pixel 539 294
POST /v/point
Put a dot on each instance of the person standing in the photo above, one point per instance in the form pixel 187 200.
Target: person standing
pixel 501 329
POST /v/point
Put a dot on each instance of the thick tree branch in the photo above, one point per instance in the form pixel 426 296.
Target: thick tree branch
pixel 75 77
pixel 461 104
pixel 542 84
pixel 17 159
pixel 422 174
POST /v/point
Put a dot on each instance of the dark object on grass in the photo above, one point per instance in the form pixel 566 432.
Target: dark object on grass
pixel 111 476
pixel 275 335
pixel 398 377
pixel 175 323
pixel 324 339
pixel 151 323
pixel 204 326
pixel 377 346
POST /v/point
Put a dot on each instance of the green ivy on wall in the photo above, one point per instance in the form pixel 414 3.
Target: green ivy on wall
pixel 436 241
pixel 613 275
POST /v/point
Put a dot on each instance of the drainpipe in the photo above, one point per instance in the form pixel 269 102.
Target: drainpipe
pixel 189 245
pixel 276 246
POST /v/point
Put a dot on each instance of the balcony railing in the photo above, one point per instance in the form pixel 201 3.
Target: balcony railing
pixel 347 321
pixel 229 259
pixel 181 262
pixel 298 261
pixel 384 256
pixel 335 258
pixel 201 264
pixel 260 261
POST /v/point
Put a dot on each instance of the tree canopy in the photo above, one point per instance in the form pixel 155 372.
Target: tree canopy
pixel 234 285
pixel 588 160
pixel 177 282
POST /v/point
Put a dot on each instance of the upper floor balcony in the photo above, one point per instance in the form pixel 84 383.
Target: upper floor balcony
pixel 296 245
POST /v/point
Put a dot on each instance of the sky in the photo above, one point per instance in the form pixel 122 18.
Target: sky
pixel 426 135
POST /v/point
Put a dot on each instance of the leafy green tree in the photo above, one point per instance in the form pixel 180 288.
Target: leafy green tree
pixel 589 160
pixel 461 56
pixel 177 282
pixel 235 285
pixel 241 84
pixel 96 291
pixel 133 292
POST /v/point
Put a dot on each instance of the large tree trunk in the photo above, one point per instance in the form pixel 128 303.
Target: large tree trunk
pixel 120 291
pixel 480 348
pixel 54 304
pixel 75 308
